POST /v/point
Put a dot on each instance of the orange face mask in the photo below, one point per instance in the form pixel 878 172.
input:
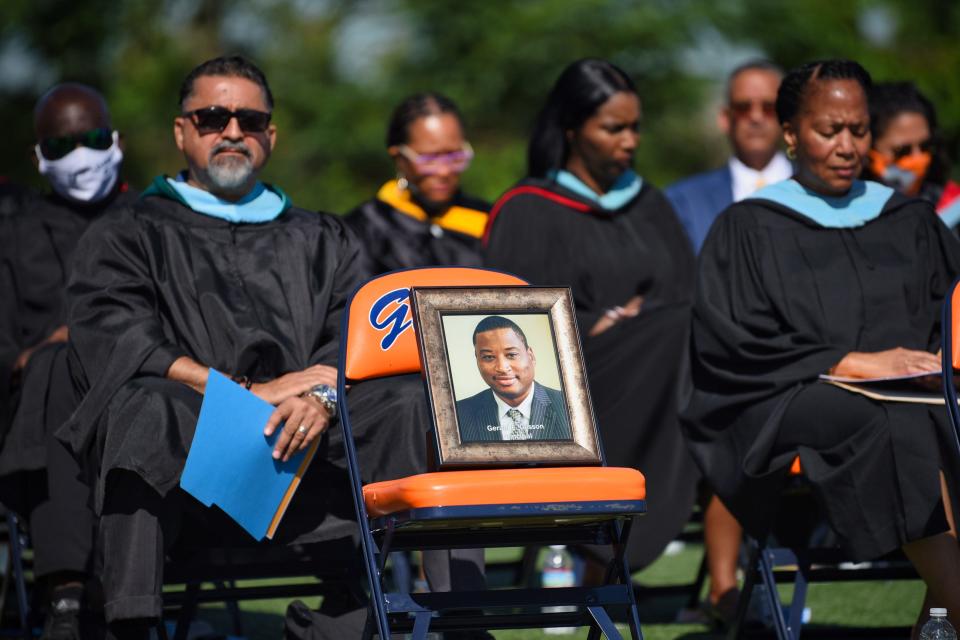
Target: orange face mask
pixel 905 175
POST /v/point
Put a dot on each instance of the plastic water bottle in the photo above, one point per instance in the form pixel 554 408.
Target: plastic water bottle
pixel 557 571
pixel 938 627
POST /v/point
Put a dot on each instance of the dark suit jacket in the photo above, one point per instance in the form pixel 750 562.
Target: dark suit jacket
pixel 476 413
pixel 699 199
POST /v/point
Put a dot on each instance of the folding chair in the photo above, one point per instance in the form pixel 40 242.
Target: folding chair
pixel 14 573
pixel 230 575
pixel 15 567
pixel 820 564
pixel 803 555
pixel 950 355
pixel 478 509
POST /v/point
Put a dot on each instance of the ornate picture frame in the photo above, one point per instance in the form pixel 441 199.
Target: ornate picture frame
pixel 505 376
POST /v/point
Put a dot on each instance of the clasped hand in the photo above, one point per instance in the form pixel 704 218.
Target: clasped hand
pixel 630 309
pixel 304 419
pixel 60 334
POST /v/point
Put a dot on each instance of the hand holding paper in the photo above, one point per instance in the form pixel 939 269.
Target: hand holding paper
pixel 892 362
pixel 230 463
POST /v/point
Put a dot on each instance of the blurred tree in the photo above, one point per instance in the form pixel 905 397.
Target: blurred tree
pixel 894 39
pixel 334 94
pixel 499 60
pixel 337 68
pixel 32 35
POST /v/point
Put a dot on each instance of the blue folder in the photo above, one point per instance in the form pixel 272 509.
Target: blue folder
pixel 230 463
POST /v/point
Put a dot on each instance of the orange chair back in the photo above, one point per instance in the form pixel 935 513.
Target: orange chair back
pixel 955 328
pixel 380 337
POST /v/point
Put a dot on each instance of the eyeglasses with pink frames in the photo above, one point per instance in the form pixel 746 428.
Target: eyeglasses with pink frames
pixel 429 164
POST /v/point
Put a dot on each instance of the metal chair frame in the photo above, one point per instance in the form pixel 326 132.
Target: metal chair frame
pixel 819 564
pixel 15 573
pixel 771 565
pixel 946 354
pixel 225 567
pixel 765 560
pixel 496 525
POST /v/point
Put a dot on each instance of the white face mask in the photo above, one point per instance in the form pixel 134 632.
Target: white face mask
pixel 84 174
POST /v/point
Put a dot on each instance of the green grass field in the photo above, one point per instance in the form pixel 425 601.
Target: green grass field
pixel 860 604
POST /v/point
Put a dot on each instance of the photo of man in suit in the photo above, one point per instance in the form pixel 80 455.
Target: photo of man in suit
pixel 515 406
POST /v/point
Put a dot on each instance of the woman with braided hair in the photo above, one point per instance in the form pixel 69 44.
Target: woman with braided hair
pixel 826 273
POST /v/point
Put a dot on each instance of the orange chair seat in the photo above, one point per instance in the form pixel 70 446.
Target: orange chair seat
pixel 504 486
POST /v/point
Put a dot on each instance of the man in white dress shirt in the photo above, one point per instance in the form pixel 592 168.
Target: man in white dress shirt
pixel 515 407
pixel 749 119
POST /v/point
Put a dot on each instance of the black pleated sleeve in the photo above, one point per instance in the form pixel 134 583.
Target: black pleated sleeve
pixel 157 281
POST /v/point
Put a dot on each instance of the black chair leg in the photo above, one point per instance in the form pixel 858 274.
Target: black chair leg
pixel 421 625
pixel 693 600
pixel 370 626
pixel 401 572
pixel 19 581
pixel 618 571
pixel 233 608
pixel 604 623
pixel 528 567
pixel 773 597
pixel 800 584
pixel 634 621
pixel 187 610
pixel 750 579
pixel 594 633
pixel 376 592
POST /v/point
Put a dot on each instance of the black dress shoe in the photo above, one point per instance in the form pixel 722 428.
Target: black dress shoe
pixel 63 620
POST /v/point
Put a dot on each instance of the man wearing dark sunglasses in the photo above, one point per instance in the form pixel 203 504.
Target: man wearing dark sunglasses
pixel 78 152
pixel 214 268
pixel 225 145
pixel 749 120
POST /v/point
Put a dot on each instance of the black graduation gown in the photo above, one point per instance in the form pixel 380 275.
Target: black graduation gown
pixel 38 243
pixel 781 300
pixel 157 281
pixel 11 201
pixel 397 233
pixel 552 236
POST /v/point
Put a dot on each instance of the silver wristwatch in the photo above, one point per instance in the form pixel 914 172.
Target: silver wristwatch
pixel 327 396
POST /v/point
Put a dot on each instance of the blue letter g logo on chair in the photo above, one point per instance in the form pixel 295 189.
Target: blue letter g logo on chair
pixel 391 310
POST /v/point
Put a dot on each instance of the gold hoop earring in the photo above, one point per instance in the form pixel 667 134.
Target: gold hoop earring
pixel 792 153
pixel 402 183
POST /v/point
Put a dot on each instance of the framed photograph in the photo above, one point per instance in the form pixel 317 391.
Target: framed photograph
pixel 505 376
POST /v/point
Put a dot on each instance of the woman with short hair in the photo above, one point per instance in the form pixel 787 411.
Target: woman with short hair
pixel 422 218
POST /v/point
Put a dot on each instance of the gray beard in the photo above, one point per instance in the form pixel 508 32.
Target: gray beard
pixel 229 173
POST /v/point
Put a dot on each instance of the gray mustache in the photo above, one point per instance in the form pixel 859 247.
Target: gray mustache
pixel 230 146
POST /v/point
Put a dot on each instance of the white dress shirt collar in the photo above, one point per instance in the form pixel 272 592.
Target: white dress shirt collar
pixel 747 180
pixel 523 407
